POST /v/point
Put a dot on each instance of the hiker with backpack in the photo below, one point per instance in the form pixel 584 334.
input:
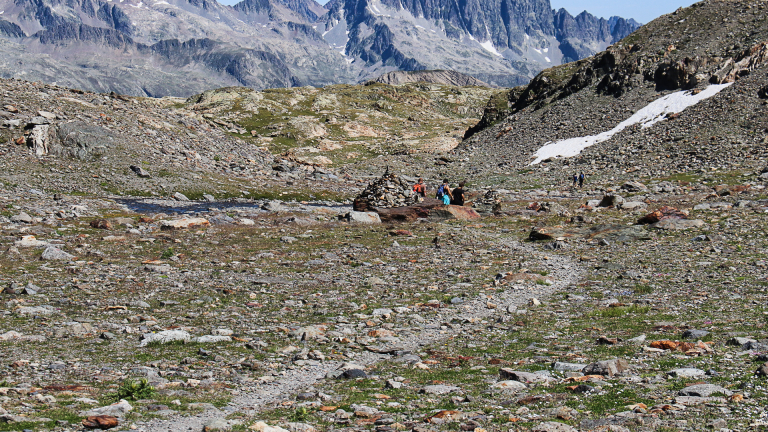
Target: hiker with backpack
pixel 581 179
pixel 457 195
pixel 420 188
pixel 444 193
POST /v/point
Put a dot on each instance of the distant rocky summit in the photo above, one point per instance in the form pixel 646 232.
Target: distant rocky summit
pixel 445 77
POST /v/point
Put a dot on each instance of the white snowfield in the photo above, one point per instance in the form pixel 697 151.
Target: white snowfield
pixel 654 112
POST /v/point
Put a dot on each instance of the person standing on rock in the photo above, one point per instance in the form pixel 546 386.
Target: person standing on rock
pixel 575 179
pixel 458 195
pixel 581 179
pixel 420 188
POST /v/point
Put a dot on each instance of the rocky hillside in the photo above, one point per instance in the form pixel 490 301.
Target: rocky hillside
pixel 228 143
pixel 62 141
pixel 346 125
pixel 710 43
pixel 184 47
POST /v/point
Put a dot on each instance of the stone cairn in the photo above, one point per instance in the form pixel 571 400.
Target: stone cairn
pixel 387 191
pixel 488 203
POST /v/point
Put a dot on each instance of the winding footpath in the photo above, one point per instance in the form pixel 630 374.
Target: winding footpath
pixel 563 270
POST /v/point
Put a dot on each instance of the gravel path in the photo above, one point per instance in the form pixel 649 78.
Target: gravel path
pixel 563 270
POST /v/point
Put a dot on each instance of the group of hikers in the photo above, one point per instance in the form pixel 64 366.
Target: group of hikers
pixel 444 192
pixel 578 179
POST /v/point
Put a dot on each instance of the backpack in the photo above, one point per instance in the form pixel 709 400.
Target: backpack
pixel 440 192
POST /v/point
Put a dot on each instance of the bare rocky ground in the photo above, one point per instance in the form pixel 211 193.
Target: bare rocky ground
pixel 296 319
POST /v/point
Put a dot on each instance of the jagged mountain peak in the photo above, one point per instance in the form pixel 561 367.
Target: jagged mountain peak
pixel 287 42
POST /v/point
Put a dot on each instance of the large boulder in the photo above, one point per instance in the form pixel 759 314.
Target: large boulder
pixel 82 140
pixel 52 253
pixel 611 201
pixel 165 336
pixel 606 367
pixel 184 223
pixel 431 209
pixel 663 213
pixel 363 217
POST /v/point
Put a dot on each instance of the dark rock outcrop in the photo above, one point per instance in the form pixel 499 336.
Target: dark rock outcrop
pixel 433 77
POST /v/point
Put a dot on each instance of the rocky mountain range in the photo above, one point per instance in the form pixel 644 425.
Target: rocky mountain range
pixel 182 47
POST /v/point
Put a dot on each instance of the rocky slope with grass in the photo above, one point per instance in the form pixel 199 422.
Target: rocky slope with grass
pixel 344 126
pixel 709 43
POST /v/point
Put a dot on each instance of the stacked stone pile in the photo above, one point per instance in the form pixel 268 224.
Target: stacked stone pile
pixel 388 191
pixel 489 202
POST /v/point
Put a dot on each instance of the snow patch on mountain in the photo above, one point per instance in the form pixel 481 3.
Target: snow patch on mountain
pixel 488 46
pixel 651 114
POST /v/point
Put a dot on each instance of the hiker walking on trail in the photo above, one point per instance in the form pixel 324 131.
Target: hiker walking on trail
pixel 575 179
pixel 581 179
pixel 420 188
pixel 458 195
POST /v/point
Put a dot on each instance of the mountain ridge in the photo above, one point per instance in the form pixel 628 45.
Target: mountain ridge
pixel 103 46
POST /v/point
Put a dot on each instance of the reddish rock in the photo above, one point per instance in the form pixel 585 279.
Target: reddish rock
pixel 100 422
pixel 400 232
pixel 665 345
pixel 663 213
pixel 443 415
pixel 431 209
pixel 101 224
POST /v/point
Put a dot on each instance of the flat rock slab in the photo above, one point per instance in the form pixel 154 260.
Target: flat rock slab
pixel 523 377
pixel 431 209
pixel 553 427
pixel 610 232
pixel 30 241
pixel 678 224
pixel 185 223
pixel 510 385
pixel 116 409
pixel 696 400
pixel 606 367
pixel 212 339
pixel 269 280
pixel 568 367
pixel 704 390
pixel 439 389
pixel 165 337
pixel 363 217
pixel 686 373
pixel 36 310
